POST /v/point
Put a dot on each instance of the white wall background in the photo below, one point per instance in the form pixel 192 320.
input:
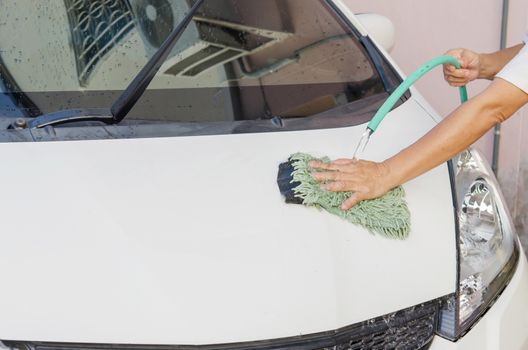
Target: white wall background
pixel 425 29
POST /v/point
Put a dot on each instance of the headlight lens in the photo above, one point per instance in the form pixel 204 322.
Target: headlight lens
pixel 487 245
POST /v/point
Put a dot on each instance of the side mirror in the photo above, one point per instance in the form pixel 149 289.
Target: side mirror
pixel 379 28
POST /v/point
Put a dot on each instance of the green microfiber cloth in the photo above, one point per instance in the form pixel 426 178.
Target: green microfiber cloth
pixel 387 215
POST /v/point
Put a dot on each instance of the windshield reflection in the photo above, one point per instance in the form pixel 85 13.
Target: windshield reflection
pixel 232 63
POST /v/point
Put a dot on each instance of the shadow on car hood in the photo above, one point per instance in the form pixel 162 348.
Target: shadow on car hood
pixel 188 241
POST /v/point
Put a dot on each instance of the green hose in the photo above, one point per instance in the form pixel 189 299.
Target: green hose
pixel 406 84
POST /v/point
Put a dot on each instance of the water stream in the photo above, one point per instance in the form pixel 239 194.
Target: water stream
pixel 363 141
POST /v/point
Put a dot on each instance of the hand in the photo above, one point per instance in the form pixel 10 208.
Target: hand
pixel 367 180
pixel 470 67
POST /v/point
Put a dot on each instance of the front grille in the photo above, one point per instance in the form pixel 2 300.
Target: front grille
pixel 411 328
pixel 96 27
pixel 408 329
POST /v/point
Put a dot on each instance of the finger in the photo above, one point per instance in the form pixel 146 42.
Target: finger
pixel 459 73
pixel 351 201
pixel 464 62
pixel 324 166
pixel 339 186
pixel 452 67
pixel 457 81
pixel 448 68
pixel 454 79
pixel 456 53
pixel 325 176
pixel 343 161
pixel 315 164
pixel 332 176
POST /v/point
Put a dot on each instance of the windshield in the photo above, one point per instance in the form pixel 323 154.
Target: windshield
pixel 238 60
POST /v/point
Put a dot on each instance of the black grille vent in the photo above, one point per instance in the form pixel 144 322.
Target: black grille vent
pixel 407 329
pixel 96 27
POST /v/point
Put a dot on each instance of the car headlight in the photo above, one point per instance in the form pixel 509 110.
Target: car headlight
pixel 487 245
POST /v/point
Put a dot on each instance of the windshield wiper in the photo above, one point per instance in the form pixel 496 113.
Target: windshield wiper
pixel 132 93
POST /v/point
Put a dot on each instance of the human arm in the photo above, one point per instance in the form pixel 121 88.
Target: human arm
pixel 455 133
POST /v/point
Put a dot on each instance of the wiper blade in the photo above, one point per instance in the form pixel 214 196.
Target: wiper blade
pixel 137 87
pixel 132 93
pixel 70 116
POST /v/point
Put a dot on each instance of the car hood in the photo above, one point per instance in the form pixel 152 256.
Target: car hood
pixel 187 240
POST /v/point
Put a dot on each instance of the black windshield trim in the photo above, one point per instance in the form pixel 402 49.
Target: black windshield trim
pixel 352 114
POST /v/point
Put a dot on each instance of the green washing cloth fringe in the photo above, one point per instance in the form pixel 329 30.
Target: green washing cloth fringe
pixel 388 216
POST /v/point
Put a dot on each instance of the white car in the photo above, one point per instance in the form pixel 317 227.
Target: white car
pixel 167 230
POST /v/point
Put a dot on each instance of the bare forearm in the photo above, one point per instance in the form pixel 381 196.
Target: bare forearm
pixel 456 132
pixel 492 63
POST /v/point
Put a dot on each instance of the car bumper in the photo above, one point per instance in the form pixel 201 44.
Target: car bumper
pixel 505 325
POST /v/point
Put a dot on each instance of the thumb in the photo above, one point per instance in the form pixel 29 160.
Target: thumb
pixel 465 59
pixel 452 67
pixel 352 201
pixel 463 63
pixel 457 54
